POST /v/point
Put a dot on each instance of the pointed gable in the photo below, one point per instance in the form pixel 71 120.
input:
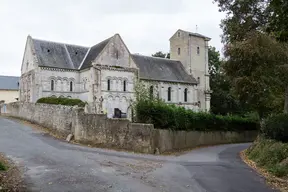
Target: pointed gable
pixel 116 53
pixel 93 53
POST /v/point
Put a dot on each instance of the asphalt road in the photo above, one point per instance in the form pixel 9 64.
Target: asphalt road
pixel 53 165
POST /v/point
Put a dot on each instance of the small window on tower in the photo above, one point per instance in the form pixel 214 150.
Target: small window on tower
pixel 179 51
pixel 198 50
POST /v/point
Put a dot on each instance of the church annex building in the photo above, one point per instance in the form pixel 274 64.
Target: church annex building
pixel 107 72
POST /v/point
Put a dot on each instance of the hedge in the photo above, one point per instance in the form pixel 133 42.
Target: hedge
pixel 173 117
pixel 61 101
pixel 276 127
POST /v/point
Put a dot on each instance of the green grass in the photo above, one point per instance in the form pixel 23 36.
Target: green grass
pixel 271 155
pixel 2 167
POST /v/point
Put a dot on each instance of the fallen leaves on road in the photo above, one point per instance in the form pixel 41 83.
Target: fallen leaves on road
pixel 278 183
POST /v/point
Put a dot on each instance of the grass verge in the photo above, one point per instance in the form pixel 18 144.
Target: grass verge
pixel 270 159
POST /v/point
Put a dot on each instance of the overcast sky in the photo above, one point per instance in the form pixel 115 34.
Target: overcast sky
pixel 144 25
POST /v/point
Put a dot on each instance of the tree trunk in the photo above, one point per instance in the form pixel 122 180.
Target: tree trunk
pixel 286 100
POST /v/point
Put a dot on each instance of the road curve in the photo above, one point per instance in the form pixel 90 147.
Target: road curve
pixel 52 165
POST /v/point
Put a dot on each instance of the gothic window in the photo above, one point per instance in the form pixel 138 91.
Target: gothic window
pixel 169 93
pixel 151 92
pixel 185 95
pixel 198 50
pixel 179 51
pixel 108 84
pixel 71 86
pixel 124 85
pixel 52 85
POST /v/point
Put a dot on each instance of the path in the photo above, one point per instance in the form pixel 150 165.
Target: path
pixel 52 165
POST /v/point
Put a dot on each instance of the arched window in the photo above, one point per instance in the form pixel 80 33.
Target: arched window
pixel 52 85
pixel 108 84
pixel 198 50
pixel 169 93
pixel 178 33
pixel 151 92
pixel 179 51
pixel 71 86
pixel 124 85
pixel 185 95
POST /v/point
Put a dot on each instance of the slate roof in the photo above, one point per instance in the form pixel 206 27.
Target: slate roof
pixel 59 55
pixel 93 53
pixel 66 56
pixel 159 69
pixel 9 83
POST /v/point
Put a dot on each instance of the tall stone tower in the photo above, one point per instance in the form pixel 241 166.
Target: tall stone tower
pixel 192 50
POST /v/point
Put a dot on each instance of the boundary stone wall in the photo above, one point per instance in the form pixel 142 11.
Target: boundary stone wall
pixel 98 130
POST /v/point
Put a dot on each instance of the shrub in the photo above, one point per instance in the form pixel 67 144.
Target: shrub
pixel 166 116
pixel 276 127
pixel 2 167
pixel 271 155
pixel 61 101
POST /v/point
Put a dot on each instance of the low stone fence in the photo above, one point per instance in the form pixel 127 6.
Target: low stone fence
pixel 97 129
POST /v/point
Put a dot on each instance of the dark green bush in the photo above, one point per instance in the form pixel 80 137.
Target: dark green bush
pixel 61 101
pixel 276 127
pixel 165 116
pixel 2 167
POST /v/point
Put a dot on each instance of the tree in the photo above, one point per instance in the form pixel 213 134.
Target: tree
pixel 277 23
pixel 256 67
pixel 242 17
pixel 161 54
pixel 222 101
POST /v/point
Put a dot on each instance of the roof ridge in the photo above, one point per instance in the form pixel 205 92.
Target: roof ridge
pixel 59 42
pixel 154 57
pixel 69 56
pixel 80 66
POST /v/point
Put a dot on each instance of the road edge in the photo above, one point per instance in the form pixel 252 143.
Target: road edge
pixel 274 182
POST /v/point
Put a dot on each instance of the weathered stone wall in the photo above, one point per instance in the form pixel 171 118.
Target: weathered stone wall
pixel 55 117
pixel 98 130
pixel 167 140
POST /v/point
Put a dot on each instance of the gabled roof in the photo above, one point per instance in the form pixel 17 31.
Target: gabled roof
pixel 194 34
pixel 93 53
pixel 9 83
pixel 58 55
pixel 159 69
pixel 66 56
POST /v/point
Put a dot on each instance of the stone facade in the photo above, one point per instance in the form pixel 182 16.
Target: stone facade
pixel 98 130
pixel 60 70
pixel 192 50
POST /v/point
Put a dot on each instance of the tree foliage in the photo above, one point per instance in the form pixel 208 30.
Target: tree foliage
pixel 161 54
pixel 256 67
pixel 277 23
pixel 242 17
pixel 253 33
pixel 222 101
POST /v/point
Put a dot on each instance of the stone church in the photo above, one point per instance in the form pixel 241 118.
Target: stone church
pixel 105 74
